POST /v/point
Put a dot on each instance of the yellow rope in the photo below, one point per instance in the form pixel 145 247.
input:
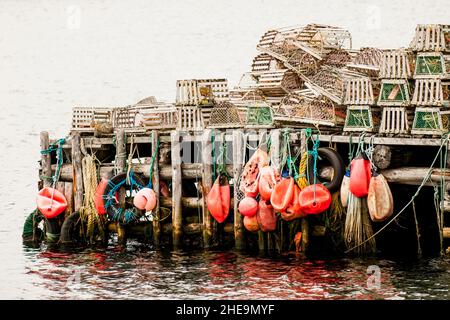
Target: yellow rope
pixel 88 212
pixel 302 180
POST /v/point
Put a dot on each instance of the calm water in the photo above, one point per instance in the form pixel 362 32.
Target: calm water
pixel 57 54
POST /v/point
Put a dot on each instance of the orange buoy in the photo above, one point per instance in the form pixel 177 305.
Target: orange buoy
pixel 145 199
pixel 266 217
pixel 314 199
pixel 250 173
pixel 293 211
pixel 218 199
pixel 360 174
pixel 282 194
pixel 379 200
pixel 248 207
pixel 251 223
pixel 99 196
pixel 51 202
pixel 268 178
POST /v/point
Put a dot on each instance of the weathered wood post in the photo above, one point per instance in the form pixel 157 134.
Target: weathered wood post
pixel 304 223
pixel 238 158
pixel 276 162
pixel 177 214
pixel 207 184
pixel 46 164
pixel 156 188
pixel 68 193
pixel 263 237
pixel 121 164
pixel 77 172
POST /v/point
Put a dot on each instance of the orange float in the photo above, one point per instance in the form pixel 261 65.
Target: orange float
pixel 251 223
pixel 268 178
pixel 250 174
pixel 51 202
pixel 248 207
pixel 145 199
pixel 360 174
pixel 282 194
pixel 218 199
pixel 266 217
pixel 314 199
pixel 293 211
pixel 99 194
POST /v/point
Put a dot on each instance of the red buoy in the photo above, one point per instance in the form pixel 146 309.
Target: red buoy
pixel 248 207
pixel 218 199
pixel 267 180
pixel 267 220
pixel 315 199
pixel 360 174
pixel 282 194
pixel 51 202
pixel 293 211
pixel 99 196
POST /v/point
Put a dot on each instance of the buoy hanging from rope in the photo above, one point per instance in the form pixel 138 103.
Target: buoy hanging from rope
pixel 361 172
pixel 379 199
pixel 51 202
pixel 251 223
pixel 218 199
pixel 145 199
pixel 248 207
pixel 293 211
pixel 314 199
pixel 268 178
pixel 251 172
pixel 282 194
pixel 99 193
pixel 334 159
pixel 345 185
pixel 267 220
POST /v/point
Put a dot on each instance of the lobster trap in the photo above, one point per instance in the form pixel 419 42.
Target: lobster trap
pixel 359 91
pixel 431 37
pixel 430 65
pixel 305 107
pixel 225 115
pixel 85 117
pixel 360 119
pixel 201 91
pixel 428 92
pixel 367 61
pixel 396 120
pixel 394 93
pixel 427 121
pixel 259 115
pixel 395 65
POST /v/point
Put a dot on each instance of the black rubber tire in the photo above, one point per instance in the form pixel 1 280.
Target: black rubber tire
pixel 115 180
pixel 52 230
pixel 69 229
pixel 335 160
pixel 31 231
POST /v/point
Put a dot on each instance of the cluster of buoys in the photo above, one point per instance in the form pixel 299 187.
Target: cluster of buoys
pixel 51 202
pixel 267 193
pixel 364 182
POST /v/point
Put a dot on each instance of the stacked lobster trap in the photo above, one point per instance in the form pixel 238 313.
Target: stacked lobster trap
pixel 394 97
pixel 431 44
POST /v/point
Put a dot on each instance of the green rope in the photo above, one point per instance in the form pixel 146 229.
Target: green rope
pixel 58 147
pixel 223 164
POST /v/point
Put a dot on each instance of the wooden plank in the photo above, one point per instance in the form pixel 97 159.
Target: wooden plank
pixel 46 164
pixel 77 172
pixel 177 210
pixel 238 162
pixel 68 193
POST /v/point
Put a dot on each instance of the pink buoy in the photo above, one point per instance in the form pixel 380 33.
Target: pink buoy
pixel 145 199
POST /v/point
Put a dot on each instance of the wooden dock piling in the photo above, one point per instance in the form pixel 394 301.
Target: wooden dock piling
pixel 121 164
pixel 239 232
pixel 46 164
pixel 77 172
pixel 177 206
pixel 207 184
pixel 156 188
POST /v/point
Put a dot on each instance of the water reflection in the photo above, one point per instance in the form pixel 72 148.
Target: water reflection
pixel 138 273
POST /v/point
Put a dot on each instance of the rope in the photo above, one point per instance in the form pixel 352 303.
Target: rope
pixel 427 176
pixel 150 182
pixel 213 141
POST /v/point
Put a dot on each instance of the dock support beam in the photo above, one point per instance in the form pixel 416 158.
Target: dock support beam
pixel 121 164
pixel 207 184
pixel 238 158
pixel 177 213
pixel 276 162
pixel 305 223
pixel 46 162
pixel 156 188
pixel 77 172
